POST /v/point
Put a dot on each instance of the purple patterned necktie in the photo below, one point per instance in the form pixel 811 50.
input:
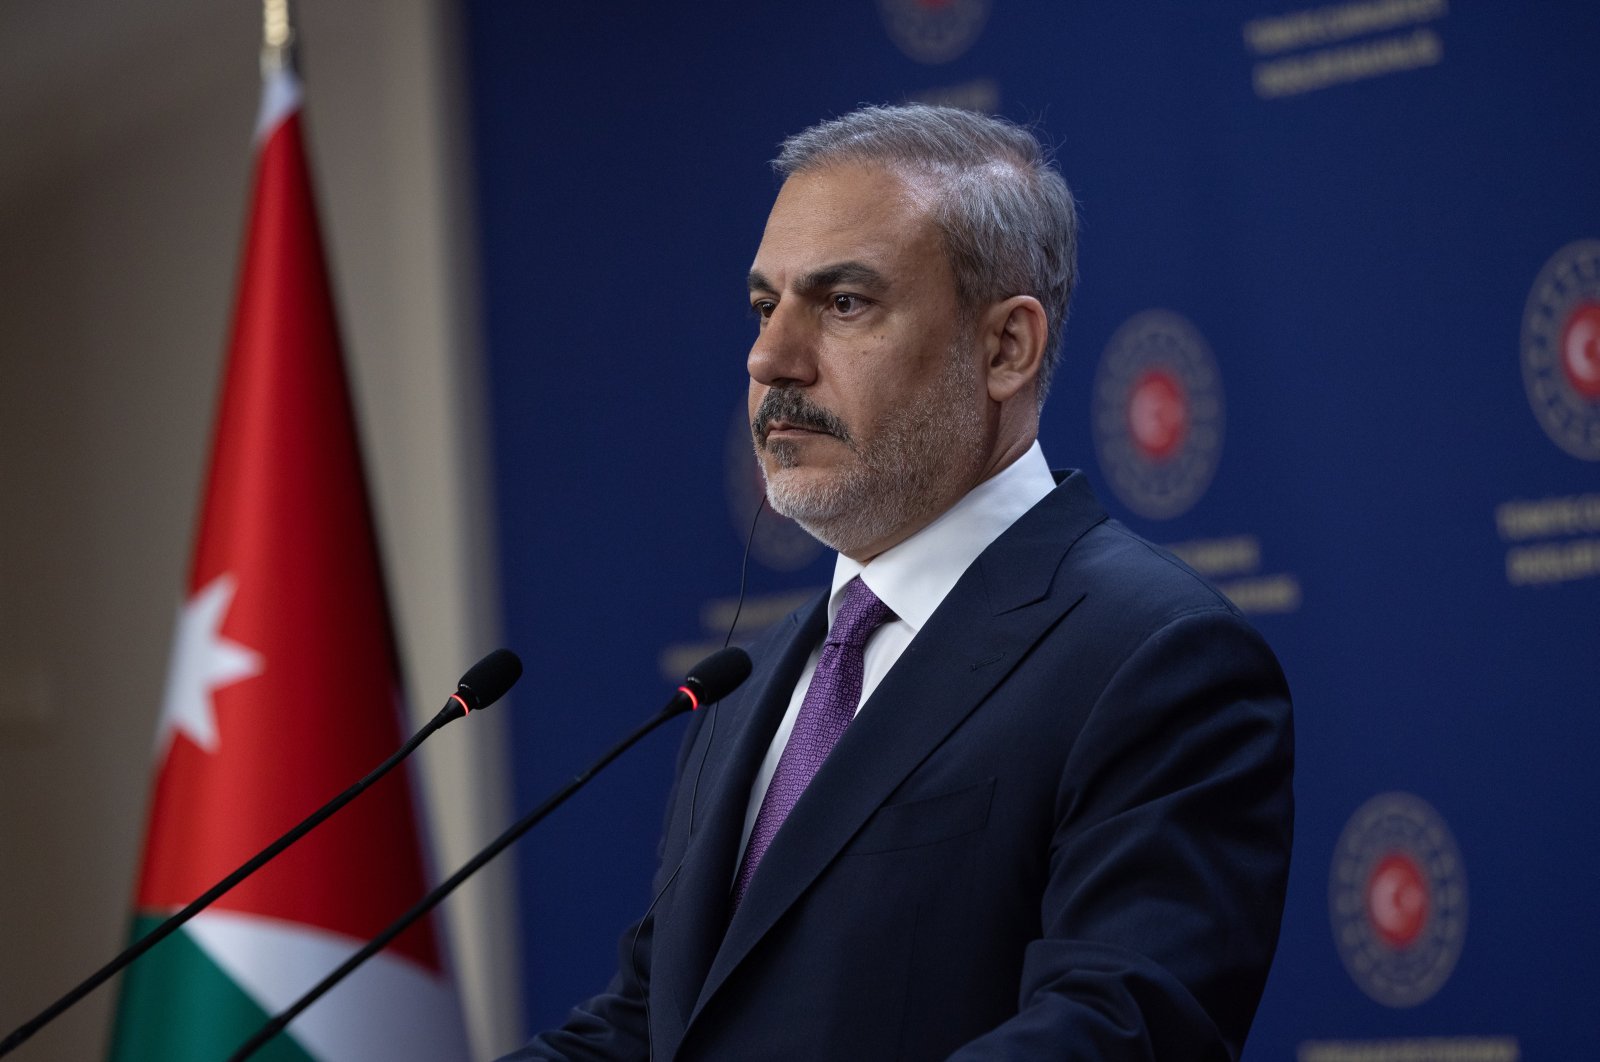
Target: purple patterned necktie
pixel 830 703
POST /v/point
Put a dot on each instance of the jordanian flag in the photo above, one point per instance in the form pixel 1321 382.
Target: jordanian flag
pixel 283 690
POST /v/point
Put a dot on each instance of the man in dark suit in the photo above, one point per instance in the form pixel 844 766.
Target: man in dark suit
pixel 1018 787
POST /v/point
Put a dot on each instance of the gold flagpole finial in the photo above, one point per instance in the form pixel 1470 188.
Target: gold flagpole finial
pixel 277 37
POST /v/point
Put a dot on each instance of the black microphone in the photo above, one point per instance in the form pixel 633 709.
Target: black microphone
pixel 707 682
pixel 483 684
pixel 711 680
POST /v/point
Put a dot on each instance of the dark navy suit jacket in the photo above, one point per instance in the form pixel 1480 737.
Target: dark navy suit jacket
pixel 1059 829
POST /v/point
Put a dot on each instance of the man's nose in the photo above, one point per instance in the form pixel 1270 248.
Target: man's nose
pixel 785 350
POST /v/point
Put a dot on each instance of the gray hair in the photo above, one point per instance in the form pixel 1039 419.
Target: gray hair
pixel 1008 220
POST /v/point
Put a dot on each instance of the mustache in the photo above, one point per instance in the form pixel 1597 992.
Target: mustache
pixel 788 405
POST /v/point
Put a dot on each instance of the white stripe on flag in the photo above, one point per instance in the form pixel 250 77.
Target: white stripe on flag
pixel 389 1010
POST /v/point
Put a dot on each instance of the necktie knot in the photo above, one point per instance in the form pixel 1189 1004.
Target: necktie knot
pixel 860 613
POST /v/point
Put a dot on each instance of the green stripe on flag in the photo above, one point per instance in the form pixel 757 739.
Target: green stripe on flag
pixel 178 1006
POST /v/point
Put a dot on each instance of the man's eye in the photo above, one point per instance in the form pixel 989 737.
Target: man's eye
pixel 763 308
pixel 845 304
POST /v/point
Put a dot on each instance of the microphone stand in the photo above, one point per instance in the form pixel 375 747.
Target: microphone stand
pixel 681 702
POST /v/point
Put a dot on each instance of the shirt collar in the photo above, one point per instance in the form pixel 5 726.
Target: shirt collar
pixel 913 577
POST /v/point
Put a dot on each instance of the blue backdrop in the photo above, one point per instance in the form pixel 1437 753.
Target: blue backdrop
pixel 1337 340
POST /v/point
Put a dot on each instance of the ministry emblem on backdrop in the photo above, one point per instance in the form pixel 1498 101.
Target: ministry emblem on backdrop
pixel 1561 349
pixel 934 31
pixel 1157 414
pixel 1397 898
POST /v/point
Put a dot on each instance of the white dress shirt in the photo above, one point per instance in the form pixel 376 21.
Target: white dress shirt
pixel 912 578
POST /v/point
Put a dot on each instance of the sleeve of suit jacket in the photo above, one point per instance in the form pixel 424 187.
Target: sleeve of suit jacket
pixel 1167 869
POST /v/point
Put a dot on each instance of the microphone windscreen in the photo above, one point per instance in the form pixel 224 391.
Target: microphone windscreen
pixel 488 680
pixel 719 674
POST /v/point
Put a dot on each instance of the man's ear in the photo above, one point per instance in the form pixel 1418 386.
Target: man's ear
pixel 1015 332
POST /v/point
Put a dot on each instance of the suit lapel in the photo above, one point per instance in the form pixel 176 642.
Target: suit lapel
pixel 1000 607
pixel 685 943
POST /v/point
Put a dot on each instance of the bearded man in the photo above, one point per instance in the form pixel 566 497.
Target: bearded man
pixel 1018 786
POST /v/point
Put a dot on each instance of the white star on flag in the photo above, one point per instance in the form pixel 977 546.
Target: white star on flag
pixel 203 661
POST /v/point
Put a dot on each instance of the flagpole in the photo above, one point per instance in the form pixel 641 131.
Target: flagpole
pixel 279 42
